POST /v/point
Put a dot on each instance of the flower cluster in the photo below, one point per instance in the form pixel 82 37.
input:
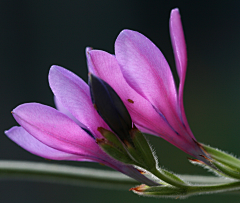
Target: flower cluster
pixel 133 89
pixel 70 132
pixel 141 76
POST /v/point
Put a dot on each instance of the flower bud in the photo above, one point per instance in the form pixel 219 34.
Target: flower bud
pixel 158 191
pixel 111 108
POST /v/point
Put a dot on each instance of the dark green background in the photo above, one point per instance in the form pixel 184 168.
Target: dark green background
pixel 36 34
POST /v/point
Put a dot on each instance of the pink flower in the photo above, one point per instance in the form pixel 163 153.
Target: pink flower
pixel 68 133
pixel 141 76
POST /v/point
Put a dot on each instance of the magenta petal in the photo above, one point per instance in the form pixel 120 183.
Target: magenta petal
pixel 31 144
pixel 180 54
pixel 146 70
pixel 55 129
pixel 74 95
pixel 63 110
pixel 105 66
pixel 178 43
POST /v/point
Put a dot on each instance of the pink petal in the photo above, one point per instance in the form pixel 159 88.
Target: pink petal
pixel 178 43
pixel 146 70
pixel 105 66
pixel 73 93
pixel 62 136
pixel 63 110
pixel 180 54
pixel 55 129
pixel 31 144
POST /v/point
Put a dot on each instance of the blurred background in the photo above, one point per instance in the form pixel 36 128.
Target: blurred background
pixel 37 34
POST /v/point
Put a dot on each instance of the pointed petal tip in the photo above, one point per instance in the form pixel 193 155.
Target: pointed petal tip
pixel 56 67
pixel 21 107
pixel 175 13
pixel 91 66
pixel 88 49
pixel 126 32
pixel 25 140
pixel 174 10
pixel 6 132
pixel 10 132
pixel 53 69
pixel 175 19
pixel 53 66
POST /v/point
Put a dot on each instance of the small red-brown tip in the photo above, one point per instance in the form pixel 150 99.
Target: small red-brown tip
pixel 142 172
pixel 95 106
pixel 205 157
pixel 196 161
pixel 100 140
pixel 139 188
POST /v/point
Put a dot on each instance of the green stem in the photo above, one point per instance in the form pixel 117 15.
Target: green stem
pixel 71 175
pixel 168 179
pixel 214 188
pixel 175 192
pixel 104 179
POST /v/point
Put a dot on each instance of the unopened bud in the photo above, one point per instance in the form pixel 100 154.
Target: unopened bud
pixel 111 108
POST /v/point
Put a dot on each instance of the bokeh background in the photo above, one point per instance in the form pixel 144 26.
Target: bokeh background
pixel 37 34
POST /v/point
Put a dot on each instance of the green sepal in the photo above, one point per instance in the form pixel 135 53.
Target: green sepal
pixel 114 151
pixel 227 170
pixel 169 178
pixel 111 137
pixel 136 156
pixel 205 166
pixel 223 157
pixel 143 154
pixel 226 163
pixel 172 176
pixel 141 151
